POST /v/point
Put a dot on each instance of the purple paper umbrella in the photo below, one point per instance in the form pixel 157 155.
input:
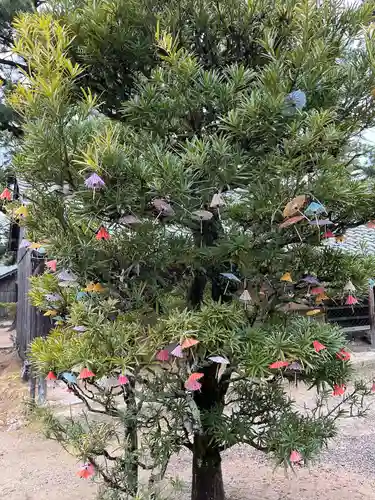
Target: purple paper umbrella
pixel 53 297
pixel 79 328
pixel 25 244
pixel 94 182
pixel 66 276
pixel 311 280
pixel 322 222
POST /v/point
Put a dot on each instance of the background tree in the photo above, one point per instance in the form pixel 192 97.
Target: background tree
pixel 201 180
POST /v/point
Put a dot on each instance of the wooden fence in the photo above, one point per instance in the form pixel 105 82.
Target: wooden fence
pixel 30 322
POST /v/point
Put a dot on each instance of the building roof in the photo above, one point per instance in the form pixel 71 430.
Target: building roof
pixel 359 239
pixel 6 271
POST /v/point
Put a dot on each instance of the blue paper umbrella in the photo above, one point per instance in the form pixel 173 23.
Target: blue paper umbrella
pixel 69 377
pixel 371 282
pixel 297 98
pixel 81 295
pixel 231 277
pixel 314 208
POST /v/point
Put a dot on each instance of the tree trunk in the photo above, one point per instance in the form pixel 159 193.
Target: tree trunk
pixel 207 481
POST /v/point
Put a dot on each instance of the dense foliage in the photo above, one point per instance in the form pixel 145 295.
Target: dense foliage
pixel 185 137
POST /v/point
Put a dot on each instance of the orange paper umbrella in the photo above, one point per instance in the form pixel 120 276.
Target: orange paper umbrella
pixel 286 277
pixel 189 342
pixel 294 206
pixel 98 288
pixel 320 298
pixel 291 221
pixel 86 373
pixel 50 312
pixel 89 287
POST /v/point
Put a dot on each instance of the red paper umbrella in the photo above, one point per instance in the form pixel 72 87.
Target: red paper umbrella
pixel 343 355
pixel 351 300
pixel 51 264
pixel 190 342
pixel 6 195
pixel 295 457
pixel 338 390
pixel 279 364
pixel 291 220
pixel 318 346
pixel 86 373
pixel 51 376
pixel 123 380
pixel 328 234
pixel 162 355
pixel 86 471
pixel 102 234
pixel 318 290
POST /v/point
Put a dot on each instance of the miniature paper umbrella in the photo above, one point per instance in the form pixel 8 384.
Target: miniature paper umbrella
pixel 192 383
pixel 278 364
pixel 294 206
pixel 295 457
pixel 286 277
pixel 297 98
pixel 102 234
pixel 291 221
pixel 189 342
pixel 343 355
pixel 351 300
pixel 338 390
pixel 25 243
pixel 86 373
pixel 231 277
pixel 94 182
pixel 123 379
pixel 162 355
pixel 349 287
pixel 6 195
pixel 87 470
pixel 69 377
pixel 314 208
pixel 51 376
pixel 217 201
pixel 318 346
pixel 219 360
pixel 311 280
pixel 245 297
pixel 51 264
pixel 177 352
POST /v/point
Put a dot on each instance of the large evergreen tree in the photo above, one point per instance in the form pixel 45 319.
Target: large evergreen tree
pixel 207 147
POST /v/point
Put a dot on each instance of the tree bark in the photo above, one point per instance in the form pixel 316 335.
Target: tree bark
pixel 207 481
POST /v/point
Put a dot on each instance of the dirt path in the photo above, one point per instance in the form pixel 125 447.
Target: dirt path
pixel 32 468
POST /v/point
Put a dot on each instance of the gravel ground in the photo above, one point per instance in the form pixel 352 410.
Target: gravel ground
pixel 32 468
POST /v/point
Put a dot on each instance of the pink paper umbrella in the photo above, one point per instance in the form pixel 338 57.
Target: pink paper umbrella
pixel 295 457
pixel 123 379
pixel 87 470
pixel 162 355
pixel 192 383
pixel 351 300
